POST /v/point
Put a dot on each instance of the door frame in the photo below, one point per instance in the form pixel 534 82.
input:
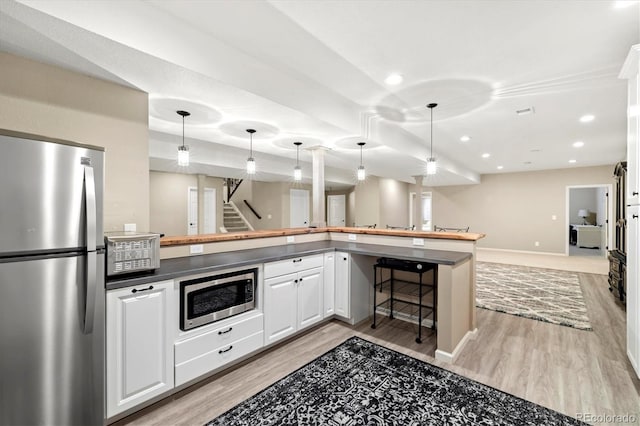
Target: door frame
pixel 609 208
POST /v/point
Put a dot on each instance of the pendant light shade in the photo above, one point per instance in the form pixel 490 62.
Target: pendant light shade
pixel 251 162
pixel 432 165
pixel 361 172
pixel 183 151
pixel 297 171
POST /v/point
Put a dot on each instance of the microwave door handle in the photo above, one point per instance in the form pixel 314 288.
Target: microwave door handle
pixel 91 256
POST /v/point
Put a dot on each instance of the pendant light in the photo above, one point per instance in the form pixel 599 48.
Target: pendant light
pixel 251 163
pixel 361 173
pixel 431 161
pixel 297 171
pixel 183 151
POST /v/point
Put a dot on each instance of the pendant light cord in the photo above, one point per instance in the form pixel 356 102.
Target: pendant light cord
pixel 251 144
pixel 183 131
pixel 361 154
pixel 431 150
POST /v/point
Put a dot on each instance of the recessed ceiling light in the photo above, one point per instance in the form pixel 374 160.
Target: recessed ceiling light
pixel 578 144
pixel 587 118
pixel 500 167
pixel 393 79
pixel 486 155
pixel 527 162
pixel 536 150
pixel 572 161
pixel 465 138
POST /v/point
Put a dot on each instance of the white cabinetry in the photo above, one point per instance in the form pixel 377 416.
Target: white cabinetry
pixel 342 285
pixel 633 281
pixel 329 283
pixel 204 350
pixel 139 344
pixel 630 71
pixel 293 296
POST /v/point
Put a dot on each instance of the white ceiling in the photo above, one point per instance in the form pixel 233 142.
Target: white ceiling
pixel 314 71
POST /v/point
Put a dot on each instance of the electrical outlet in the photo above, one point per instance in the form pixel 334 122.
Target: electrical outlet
pixel 554 217
pixel 291 239
pixel 418 242
pixel 196 249
pixel 352 237
pixel 537 243
pixel 129 227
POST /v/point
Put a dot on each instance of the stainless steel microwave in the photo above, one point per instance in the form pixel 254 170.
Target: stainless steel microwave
pixel 211 298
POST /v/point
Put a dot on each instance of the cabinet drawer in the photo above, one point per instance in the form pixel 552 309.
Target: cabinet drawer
pixel 211 340
pixel 217 358
pixel 295 264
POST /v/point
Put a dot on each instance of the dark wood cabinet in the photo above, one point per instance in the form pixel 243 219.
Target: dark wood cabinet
pixel 618 255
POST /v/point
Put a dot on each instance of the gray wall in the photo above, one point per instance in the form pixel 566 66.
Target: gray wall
pixel 515 210
pixel 53 102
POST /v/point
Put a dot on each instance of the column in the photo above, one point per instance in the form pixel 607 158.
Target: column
pixel 318 217
pixel 417 205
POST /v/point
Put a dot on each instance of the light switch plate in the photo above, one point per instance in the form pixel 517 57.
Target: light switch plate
pixel 352 237
pixel 291 239
pixel 129 227
pixel 418 242
pixel 196 249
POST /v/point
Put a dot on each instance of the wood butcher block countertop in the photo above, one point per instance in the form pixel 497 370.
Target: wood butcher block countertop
pixel 267 233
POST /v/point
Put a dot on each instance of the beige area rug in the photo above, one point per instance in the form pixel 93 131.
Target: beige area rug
pixel 547 295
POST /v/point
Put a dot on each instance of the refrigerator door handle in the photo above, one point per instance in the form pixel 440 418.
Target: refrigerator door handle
pixel 91 219
pixel 90 208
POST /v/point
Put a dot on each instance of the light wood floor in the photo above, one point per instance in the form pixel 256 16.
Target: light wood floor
pixel 565 369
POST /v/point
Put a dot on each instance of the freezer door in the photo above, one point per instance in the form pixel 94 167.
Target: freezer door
pixel 51 369
pixel 45 192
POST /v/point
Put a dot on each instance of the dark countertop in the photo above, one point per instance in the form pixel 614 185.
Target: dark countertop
pixel 192 265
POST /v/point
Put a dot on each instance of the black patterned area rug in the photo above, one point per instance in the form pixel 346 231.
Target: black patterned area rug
pixel 361 383
pixel 547 295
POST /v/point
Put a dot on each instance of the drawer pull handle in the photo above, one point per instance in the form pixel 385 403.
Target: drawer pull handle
pixel 634 193
pixel 135 290
pixel 226 331
pixel 295 281
pixel 221 351
pixel 297 260
pixel 300 280
pixel 635 216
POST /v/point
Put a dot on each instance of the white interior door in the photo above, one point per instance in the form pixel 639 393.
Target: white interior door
pixel 192 211
pixel 299 216
pixel 209 211
pixel 426 224
pixel 336 206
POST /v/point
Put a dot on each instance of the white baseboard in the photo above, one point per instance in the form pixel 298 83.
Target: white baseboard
pixel 545 253
pixel 451 357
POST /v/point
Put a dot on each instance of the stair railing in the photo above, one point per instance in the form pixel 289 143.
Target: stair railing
pixel 252 209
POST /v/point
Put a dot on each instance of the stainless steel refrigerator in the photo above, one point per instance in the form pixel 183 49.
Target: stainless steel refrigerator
pixel 51 282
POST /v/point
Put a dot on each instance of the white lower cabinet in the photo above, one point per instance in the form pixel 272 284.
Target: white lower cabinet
pixel 343 285
pixel 139 344
pixel 633 286
pixel 217 346
pixel 292 301
pixel 329 283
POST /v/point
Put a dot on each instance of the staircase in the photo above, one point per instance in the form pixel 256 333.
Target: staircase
pixel 232 220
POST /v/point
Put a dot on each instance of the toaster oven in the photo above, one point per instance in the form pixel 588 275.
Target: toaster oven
pixel 129 252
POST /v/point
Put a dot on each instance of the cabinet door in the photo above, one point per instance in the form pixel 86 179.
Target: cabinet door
pixel 329 283
pixel 280 315
pixel 342 285
pixel 309 297
pixel 633 148
pixel 633 281
pixel 139 344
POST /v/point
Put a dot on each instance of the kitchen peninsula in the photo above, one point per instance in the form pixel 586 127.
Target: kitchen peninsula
pixel 336 264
